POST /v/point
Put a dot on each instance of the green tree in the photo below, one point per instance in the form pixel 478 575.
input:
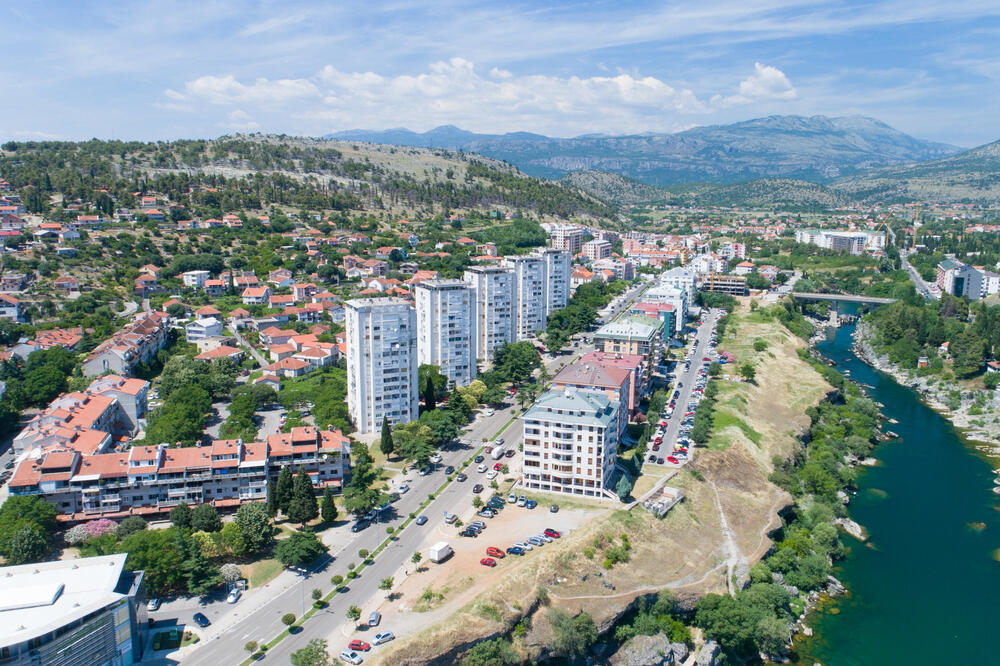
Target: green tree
pixel 180 516
pixel 386 444
pixel 496 652
pixel 313 654
pixel 353 613
pixel 200 574
pixel 255 527
pixel 288 619
pixel 748 372
pixel 328 508
pixel 299 549
pixel 26 544
pixel 18 512
pixel 303 506
pixel 205 518
pixel 156 553
pixel 130 525
pixel 571 635
pixel 285 489
pixel 416 558
pixel 272 498
pixel 624 487
pixel 430 401
pixel 386 583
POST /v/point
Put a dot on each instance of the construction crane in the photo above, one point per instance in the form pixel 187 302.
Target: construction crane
pixel 872 243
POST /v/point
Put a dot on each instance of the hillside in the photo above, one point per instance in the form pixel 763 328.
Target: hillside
pixel 257 171
pixel 817 148
pixel 971 177
pixel 614 188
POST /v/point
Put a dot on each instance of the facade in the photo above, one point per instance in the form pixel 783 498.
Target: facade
pixel 567 237
pixel 529 295
pixel 555 282
pixel 493 289
pixel 83 612
pixel 570 443
pixel 610 381
pixel 632 335
pixel 853 242
pixel 597 249
pixel 636 366
pixel 11 308
pixel 196 279
pixel 622 268
pixel 665 312
pixel 148 480
pixel 209 327
pixel 446 328
pixel 680 278
pixel 735 285
pixel 381 362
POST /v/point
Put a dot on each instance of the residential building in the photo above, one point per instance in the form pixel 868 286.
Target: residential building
pixel 381 362
pixel 681 278
pixel 632 335
pixel 853 242
pixel 13 281
pixel 991 283
pixel 597 249
pixel 571 443
pixel 137 342
pixel 958 279
pixel 195 279
pixel 662 294
pixel 73 612
pixel 555 281
pixel 734 285
pixel 743 268
pixel 210 327
pixel 529 295
pixel 665 312
pixel 495 305
pixel 623 269
pixel 256 295
pixel 613 382
pixel 446 333
pixel 150 480
pixel 578 277
pixel 11 308
pixel 635 364
pixel 567 237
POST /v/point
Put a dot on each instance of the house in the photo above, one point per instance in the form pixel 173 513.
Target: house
pixel 273 335
pixel 215 288
pixel 13 281
pixel 67 338
pixel 280 300
pixel 289 367
pixel 281 277
pixel 135 343
pixel 465 241
pixel 256 295
pixel 145 285
pixel 223 351
pixel 244 281
pixel 11 308
pixel 195 279
pixel 66 284
pixel 156 215
pixel 173 301
pixel 283 351
pixel 303 291
pixel 743 268
pixel 199 329
pixel 208 311
pixel 269 380
pixel 239 318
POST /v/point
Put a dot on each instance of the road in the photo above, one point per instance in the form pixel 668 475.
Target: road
pixel 243 342
pixel 923 288
pixel 264 620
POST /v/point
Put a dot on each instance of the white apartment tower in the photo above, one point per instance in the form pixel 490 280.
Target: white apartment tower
pixel 567 237
pixel 556 279
pixel 381 362
pixel 446 328
pixel 493 288
pixel 530 294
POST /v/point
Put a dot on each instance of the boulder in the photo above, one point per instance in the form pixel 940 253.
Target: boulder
pixel 680 651
pixel 709 654
pixel 640 650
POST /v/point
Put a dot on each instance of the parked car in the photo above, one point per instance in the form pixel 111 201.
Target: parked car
pixel 523 545
pixel 436 458
pixel 478 459
pixel 421 520
pixel 530 504
pixel 499 441
pixel 672 460
pixel 554 508
pixel 201 620
pixel 497 467
pixel 468 533
pixel 461 477
pixel 360 525
pixel 478 488
pixel 488 450
pixel 486 512
pixel 234 596
pixel 424 471
pixel 358 644
pixel 522 500
pixel 536 541
pixel 510 453
pixel 544 538
pixel 350 657
pixel 515 550
pixel 153 604
pixel 659 461
pixel 404 488
pixel 549 532
pixel 488 562
pixel 492 474
pixel 383 637
pixel 493 551
pixel 374 619
pixel 481 468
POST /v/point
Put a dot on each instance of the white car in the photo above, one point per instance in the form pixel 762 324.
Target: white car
pixel 525 546
pixel 234 596
pixel 492 474
pixel 489 412
pixel 482 468
pixel 435 458
pixel 351 657
pixel 403 489
pixel 383 637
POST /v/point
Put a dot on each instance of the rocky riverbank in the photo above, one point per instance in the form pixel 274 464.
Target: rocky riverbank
pixel 982 427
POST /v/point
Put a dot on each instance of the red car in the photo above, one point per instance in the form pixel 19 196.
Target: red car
pixel 493 551
pixel 552 534
pixel 672 460
pixel 706 359
pixel 497 466
pixel 359 645
pixel 663 423
pixel 488 562
pixel 489 450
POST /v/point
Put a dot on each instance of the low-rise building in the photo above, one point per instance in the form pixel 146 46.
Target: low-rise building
pixel 135 343
pixel 209 327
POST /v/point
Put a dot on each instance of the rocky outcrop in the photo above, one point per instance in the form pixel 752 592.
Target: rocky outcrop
pixel 851 528
pixel 709 654
pixel 654 650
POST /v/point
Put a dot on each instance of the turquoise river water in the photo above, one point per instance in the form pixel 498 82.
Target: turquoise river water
pixel 925 589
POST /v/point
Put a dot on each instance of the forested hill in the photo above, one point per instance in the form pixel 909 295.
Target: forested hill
pixel 253 172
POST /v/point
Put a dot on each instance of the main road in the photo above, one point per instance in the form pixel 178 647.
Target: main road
pixel 264 621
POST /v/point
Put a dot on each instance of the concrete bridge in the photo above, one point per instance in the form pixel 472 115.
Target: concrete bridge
pixel 842 298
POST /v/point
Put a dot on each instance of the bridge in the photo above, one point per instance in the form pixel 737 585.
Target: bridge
pixel 842 298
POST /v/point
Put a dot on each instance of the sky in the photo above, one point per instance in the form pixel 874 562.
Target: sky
pixel 171 69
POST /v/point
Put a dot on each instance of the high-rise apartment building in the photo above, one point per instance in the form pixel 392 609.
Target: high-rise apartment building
pixel 381 362
pixel 567 237
pixel 555 281
pixel 529 294
pixel 446 328
pixel 495 317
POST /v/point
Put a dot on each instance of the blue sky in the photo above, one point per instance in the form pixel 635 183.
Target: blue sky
pixel 169 69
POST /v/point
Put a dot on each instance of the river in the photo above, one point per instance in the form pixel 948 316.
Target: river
pixel 925 589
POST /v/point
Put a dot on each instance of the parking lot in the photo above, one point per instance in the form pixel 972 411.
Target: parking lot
pixel 670 445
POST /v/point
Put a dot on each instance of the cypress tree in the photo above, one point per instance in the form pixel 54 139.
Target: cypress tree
pixel 272 499
pixel 386 445
pixel 303 506
pixel 285 488
pixel 430 402
pixel 328 509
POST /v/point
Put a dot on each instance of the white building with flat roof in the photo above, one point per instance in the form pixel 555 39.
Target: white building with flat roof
pixel 76 612
pixel 682 278
pixel 529 295
pixel 381 362
pixel 570 443
pixel 495 318
pixel 446 328
pixel 555 280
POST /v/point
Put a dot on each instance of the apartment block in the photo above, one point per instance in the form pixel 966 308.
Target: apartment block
pixel 680 278
pixel 613 382
pixel 529 294
pixel 567 237
pixel 493 289
pixel 958 279
pixel 632 334
pixel 570 443
pixel 196 279
pixel 136 342
pixel 555 280
pixel 381 362
pixel 734 285
pixel 148 480
pixel 597 249
pixel 446 328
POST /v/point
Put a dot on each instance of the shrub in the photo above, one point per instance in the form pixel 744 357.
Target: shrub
pixel 288 619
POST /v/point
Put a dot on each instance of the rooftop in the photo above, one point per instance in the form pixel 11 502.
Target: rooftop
pixel 631 328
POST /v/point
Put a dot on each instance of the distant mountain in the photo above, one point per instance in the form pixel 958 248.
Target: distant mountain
pixel 817 149
pixel 614 188
pixel 971 177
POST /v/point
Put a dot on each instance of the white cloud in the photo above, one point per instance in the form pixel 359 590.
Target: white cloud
pixel 240 121
pixel 767 83
pixel 454 92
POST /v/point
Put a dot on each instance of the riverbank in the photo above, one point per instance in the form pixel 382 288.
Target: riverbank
pixel 982 427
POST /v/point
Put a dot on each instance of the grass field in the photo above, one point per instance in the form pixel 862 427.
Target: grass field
pixel 262 572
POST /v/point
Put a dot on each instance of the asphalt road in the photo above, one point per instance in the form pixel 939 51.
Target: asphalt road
pixel 264 621
pixel 922 287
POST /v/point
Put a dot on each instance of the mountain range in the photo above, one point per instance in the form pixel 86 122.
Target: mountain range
pixel 819 149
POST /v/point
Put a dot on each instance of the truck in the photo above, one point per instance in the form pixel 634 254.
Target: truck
pixel 440 552
pixel 497 452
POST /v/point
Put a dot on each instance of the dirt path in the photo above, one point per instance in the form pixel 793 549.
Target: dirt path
pixel 736 562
